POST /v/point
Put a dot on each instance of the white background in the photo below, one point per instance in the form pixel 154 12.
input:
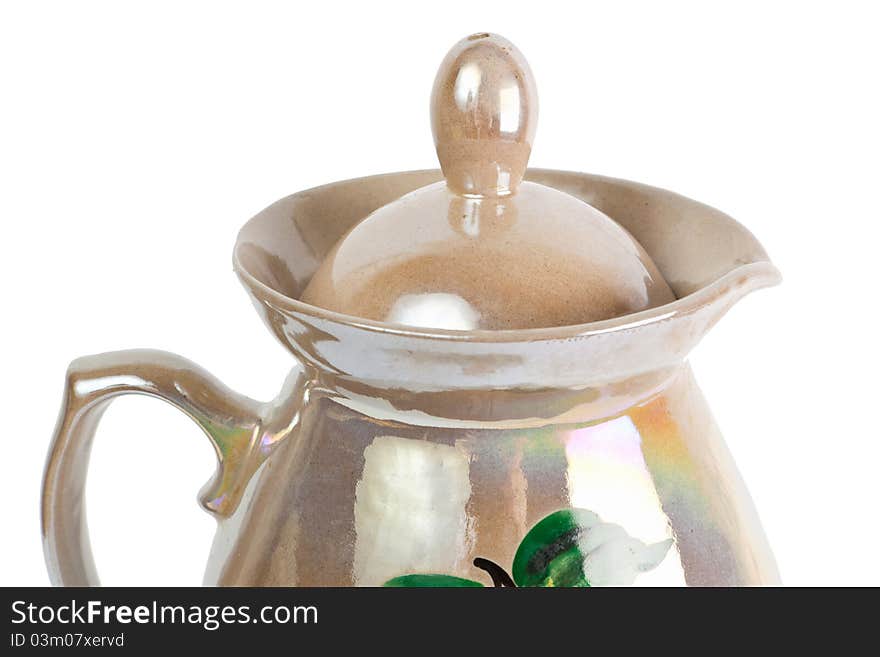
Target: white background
pixel 135 139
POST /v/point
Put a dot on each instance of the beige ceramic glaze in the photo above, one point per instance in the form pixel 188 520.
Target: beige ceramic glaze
pixel 484 250
pixel 416 456
pixel 484 113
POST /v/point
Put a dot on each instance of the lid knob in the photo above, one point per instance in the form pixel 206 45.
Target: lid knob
pixel 484 110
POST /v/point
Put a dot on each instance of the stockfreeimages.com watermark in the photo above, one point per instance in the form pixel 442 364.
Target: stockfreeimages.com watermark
pixel 210 617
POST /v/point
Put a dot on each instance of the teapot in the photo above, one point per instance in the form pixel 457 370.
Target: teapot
pixel 490 382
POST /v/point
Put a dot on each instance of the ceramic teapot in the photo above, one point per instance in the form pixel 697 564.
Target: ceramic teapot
pixel 489 381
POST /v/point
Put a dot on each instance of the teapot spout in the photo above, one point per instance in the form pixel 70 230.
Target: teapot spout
pixel 716 298
pixel 694 245
pixel 741 281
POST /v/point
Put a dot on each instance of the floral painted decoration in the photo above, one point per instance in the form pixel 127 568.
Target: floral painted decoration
pixel 568 548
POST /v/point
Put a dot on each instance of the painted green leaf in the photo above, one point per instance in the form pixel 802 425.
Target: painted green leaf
pixel 431 581
pixel 568 548
pixel 550 554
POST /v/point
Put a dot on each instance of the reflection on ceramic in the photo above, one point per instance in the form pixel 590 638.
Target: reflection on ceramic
pixel 410 508
pixel 310 492
pixel 440 309
pixel 539 258
pixel 517 254
pixel 399 449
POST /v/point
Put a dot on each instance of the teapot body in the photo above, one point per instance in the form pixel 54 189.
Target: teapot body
pixel 567 456
pixel 492 384
pixel 354 499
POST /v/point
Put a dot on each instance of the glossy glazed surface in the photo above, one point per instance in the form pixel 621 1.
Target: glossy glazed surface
pixel 717 263
pixel 537 258
pixel 358 501
pixel 229 420
pixel 485 251
pixel 401 453
pixel 484 113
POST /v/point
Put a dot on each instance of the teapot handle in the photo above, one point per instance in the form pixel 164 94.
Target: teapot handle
pixel 231 421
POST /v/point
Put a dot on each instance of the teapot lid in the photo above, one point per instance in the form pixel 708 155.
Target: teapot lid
pixel 486 249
